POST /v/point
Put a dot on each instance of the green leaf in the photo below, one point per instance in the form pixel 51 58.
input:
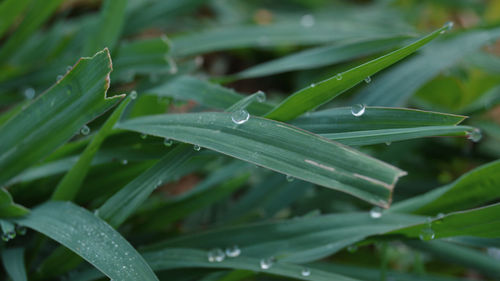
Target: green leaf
pixel 38 12
pixel 13 261
pixel 56 115
pixel 285 33
pixel 396 86
pixel 205 93
pixel 320 56
pixel 280 147
pixel 391 135
pixel 91 238
pixel 108 28
pixel 472 189
pixel 69 186
pixel 10 10
pixel 8 208
pixel 341 119
pixel 319 93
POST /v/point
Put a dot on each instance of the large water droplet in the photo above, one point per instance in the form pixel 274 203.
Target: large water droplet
pixel 376 213
pixel 133 95
pixel 266 263
pixel 368 79
pixel 29 93
pixel 338 76
pixel 312 85
pixel 68 68
pixel 233 251
pixel 58 78
pixel 427 233
pixel 196 147
pixel 168 142
pixel 448 25
pixel 358 109
pixel 240 116
pixel 307 20
pixel 85 130
pixel 305 272
pixel 474 135
pixel 261 96
pixel 216 255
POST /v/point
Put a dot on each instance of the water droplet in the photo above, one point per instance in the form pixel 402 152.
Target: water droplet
pixel 493 252
pixel 440 216
pixel 266 263
pixel 124 162
pixel 376 213
pixel 5 237
pixel 312 85
pixel 11 234
pixel 388 143
pixel 427 233
pixel 240 116
pixel 358 110
pixel 368 79
pixel 133 95
pixel 58 78
pixel 198 60
pixel 69 68
pixel 96 212
pixel 216 255
pixel 85 130
pixel 338 76
pixel 196 147
pixel 261 96
pixel 144 136
pixel 233 251
pixel 159 183
pixel 305 272
pixel 289 178
pixel 29 93
pixel 448 25
pixel 352 248
pixel 21 230
pixel 173 68
pixel 167 142
pixel 474 135
pixel 307 20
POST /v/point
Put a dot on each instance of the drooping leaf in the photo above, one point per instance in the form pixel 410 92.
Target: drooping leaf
pixel 279 147
pixel 8 208
pixel 13 261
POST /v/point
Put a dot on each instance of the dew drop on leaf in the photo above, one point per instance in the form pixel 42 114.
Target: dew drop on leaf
pixel 358 110
pixel 266 263
pixel 376 213
pixel 85 130
pixel 233 251
pixel 305 272
pixel 240 116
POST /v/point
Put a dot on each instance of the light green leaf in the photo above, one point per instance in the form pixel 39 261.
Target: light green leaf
pixel 319 93
pixel 91 238
pixel 56 115
pixel 280 147
pixel 13 261
pixel 70 184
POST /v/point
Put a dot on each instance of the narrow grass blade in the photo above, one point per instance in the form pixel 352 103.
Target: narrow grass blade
pixel 319 93
pixel 320 56
pixel 393 135
pixel 70 184
pixel 205 93
pixel 91 238
pixel 396 86
pixel 108 28
pixel 474 188
pixel 38 12
pixel 8 208
pixel 13 262
pixel 280 147
pixel 55 116
pixel 10 10
pixel 341 119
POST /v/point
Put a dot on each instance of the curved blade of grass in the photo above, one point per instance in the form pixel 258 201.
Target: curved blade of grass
pixel 108 28
pixel 205 93
pixel 286 33
pixel 70 184
pixel 320 56
pixel 294 240
pixel 7 206
pixel 396 86
pixel 13 262
pixel 322 92
pixel 10 10
pixel 340 119
pixel 55 116
pixel 280 147
pixel 38 12
pixel 472 189
pixel 91 238
pixel 392 135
